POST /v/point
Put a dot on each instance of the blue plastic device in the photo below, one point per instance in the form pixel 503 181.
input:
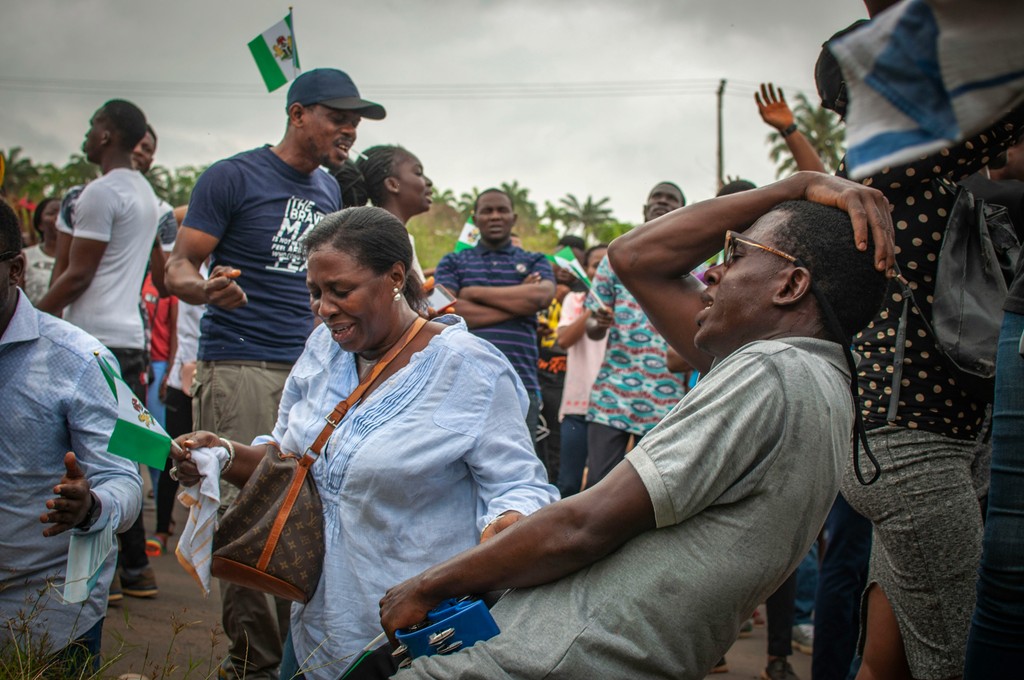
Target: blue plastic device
pixel 449 627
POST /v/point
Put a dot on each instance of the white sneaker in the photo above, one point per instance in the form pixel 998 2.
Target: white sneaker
pixel 803 637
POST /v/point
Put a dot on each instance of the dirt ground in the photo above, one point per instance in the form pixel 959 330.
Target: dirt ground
pixel 177 634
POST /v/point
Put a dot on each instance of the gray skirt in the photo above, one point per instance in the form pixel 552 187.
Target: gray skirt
pixel 926 542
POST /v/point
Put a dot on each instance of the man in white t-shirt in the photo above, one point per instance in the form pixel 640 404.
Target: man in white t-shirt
pixel 115 223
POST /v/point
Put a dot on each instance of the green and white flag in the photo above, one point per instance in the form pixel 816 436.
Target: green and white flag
pixel 469 236
pixel 275 53
pixel 136 436
pixel 566 259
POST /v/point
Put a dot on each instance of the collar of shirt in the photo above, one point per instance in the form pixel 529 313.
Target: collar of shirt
pixel 507 249
pixel 24 325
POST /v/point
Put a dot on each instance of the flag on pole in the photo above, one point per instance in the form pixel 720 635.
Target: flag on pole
pixel 136 436
pixel 469 236
pixel 275 53
pixel 566 259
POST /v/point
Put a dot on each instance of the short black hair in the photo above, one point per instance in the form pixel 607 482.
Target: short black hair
pixel 735 187
pixel 127 120
pixel 591 249
pixel 492 190
pixel 822 237
pixel 682 196
pixel 10 229
pixel 571 241
pixel 150 130
pixel 37 216
pixel 375 238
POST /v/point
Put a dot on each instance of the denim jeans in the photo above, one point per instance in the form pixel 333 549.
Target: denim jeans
pixel 995 647
pixel 806 585
pixel 843 577
pixel 573 455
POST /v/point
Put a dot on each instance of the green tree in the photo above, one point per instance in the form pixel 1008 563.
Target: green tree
pixel 175 186
pixel 823 130
pixel 467 199
pixel 609 231
pixel 445 197
pixel 586 216
pixel 521 203
pixel 20 172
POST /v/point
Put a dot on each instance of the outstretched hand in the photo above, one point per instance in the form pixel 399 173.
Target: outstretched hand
pixel 868 210
pixel 772 106
pixel 73 500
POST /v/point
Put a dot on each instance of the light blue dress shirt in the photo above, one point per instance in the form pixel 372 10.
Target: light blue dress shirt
pixel 409 478
pixel 54 399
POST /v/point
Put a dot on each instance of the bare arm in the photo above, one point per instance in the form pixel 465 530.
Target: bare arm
pixel 569 335
pixel 184 280
pixel 83 259
pixel 157 262
pixel 776 112
pixel 653 261
pixel 598 324
pixel 63 255
pixel 520 300
pixel 549 544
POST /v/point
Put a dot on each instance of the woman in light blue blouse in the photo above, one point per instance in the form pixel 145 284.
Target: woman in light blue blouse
pixel 433 459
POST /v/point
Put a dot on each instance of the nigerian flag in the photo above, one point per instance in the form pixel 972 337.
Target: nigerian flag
pixel 275 53
pixel 136 436
pixel 566 259
pixel 468 237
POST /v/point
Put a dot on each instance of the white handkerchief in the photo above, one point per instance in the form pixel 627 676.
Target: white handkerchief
pixel 86 555
pixel 195 547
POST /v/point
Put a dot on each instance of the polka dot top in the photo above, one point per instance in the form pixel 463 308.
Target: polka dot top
pixel 922 194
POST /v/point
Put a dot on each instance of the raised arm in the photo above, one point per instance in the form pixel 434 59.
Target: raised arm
pixel 776 112
pixel 653 261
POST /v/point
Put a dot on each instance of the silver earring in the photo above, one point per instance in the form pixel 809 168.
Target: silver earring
pixel 398 294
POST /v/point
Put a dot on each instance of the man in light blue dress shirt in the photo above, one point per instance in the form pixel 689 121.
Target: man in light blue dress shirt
pixel 56 476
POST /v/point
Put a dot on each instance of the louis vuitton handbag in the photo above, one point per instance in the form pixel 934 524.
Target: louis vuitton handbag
pixel 271 539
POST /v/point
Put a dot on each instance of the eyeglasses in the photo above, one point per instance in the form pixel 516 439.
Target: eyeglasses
pixel 9 255
pixel 732 238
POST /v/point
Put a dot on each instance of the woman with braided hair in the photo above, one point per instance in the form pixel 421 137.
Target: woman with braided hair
pixel 392 178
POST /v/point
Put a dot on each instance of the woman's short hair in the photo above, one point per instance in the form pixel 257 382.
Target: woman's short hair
pixel 375 238
pixel 37 216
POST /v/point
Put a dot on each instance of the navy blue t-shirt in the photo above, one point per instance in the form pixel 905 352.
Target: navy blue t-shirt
pixel 260 208
pixel 481 266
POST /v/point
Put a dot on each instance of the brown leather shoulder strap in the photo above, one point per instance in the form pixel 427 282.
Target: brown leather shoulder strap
pixel 334 417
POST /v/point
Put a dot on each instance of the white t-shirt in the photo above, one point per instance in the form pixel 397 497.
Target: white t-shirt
pixel 120 209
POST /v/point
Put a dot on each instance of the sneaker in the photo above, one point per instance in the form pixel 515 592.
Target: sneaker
pixel 778 669
pixel 747 629
pixel 803 638
pixel 141 585
pixel 721 666
pixel 115 595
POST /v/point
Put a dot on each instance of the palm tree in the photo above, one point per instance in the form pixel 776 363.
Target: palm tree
pixel 443 197
pixel 823 130
pixel 521 203
pixel 467 199
pixel 584 217
pixel 20 172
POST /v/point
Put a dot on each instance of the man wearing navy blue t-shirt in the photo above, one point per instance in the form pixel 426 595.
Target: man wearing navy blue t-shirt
pixel 500 288
pixel 250 213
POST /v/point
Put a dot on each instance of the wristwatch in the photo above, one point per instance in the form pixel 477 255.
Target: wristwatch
pixel 790 129
pixel 92 515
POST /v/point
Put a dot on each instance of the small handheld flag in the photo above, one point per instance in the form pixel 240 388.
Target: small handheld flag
pixel 468 237
pixel 566 259
pixel 136 436
pixel 276 54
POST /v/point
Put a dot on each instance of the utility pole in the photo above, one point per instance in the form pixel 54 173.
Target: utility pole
pixel 721 96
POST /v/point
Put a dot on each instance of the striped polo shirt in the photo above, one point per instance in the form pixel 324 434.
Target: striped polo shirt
pixel 508 266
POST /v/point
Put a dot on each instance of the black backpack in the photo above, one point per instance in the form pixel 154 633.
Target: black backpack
pixel 976 264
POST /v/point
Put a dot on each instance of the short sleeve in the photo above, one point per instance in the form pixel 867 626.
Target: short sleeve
pixel 447 273
pixel 95 212
pixel 167 227
pixel 715 439
pixel 212 205
pixel 602 287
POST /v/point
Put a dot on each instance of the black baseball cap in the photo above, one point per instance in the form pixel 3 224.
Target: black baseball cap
pixel 333 88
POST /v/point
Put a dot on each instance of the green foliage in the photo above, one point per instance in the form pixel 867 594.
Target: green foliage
pixel 585 217
pixel 609 231
pixel 823 130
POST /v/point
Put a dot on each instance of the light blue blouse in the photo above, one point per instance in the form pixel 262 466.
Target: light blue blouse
pixel 409 478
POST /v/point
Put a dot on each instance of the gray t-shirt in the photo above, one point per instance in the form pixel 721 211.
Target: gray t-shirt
pixel 741 473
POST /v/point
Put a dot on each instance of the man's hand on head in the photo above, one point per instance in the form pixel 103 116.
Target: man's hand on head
pixel 73 501
pixel 868 210
pixel 221 289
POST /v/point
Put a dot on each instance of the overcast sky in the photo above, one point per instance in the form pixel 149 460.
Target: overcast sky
pixel 475 88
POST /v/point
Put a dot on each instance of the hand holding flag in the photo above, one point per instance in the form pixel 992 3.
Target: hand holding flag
pixel 136 436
